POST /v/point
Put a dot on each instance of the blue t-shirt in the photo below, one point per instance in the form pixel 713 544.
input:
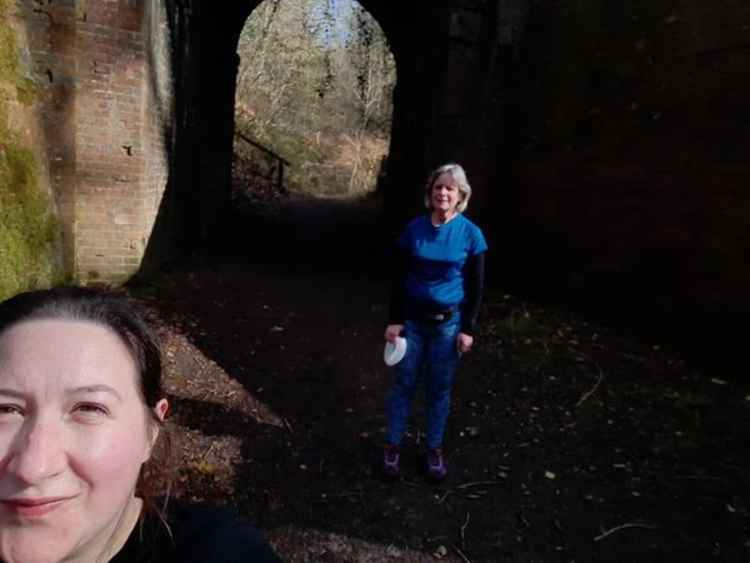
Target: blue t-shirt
pixel 437 257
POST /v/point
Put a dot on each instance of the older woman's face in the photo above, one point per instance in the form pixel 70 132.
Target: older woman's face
pixel 73 436
pixel 445 194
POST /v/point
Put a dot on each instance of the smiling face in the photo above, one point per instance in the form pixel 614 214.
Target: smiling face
pixel 74 432
pixel 445 195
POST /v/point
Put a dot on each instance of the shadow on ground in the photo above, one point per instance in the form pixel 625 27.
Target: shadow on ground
pixel 568 440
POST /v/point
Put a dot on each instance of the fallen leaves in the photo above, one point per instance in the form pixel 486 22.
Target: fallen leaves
pixel 203 467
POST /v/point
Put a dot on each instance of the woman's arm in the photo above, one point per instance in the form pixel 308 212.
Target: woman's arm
pixel 399 266
pixel 473 287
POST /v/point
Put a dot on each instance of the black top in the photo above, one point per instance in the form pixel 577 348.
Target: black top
pixel 199 534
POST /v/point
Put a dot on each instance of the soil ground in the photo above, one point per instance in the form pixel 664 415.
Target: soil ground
pixel 568 440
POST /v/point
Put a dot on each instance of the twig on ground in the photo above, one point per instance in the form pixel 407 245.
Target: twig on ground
pixel 478 483
pixel 463 528
pixel 523 520
pixel 592 390
pixel 345 494
pixel 623 527
pixel 541 362
pixel 466 486
pixel 208 451
pixel 461 554
pixel 288 425
pixel 445 496
pixel 699 477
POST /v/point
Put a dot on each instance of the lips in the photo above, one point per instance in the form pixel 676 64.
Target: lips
pixel 33 507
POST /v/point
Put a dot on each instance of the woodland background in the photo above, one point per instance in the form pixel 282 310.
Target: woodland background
pixel 314 86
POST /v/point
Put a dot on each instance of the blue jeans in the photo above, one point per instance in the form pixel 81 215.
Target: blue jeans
pixel 430 352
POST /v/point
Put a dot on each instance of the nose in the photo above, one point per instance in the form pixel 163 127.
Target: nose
pixel 38 452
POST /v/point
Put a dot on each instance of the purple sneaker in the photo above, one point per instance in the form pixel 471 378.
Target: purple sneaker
pixel 436 468
pixel 391 458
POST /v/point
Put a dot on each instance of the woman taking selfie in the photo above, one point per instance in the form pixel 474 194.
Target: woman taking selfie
pixel 81 411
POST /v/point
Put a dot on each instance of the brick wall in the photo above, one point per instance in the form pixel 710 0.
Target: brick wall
pixel 51 38
pixel 104 109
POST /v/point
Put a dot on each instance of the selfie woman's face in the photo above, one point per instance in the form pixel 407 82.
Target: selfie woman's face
pixel 74 433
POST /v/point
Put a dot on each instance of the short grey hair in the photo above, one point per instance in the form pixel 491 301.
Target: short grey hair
pixel 459 175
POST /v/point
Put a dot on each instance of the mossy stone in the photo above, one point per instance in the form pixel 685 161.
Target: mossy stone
pixel 29 231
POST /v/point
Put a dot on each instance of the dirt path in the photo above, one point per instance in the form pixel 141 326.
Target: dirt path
pixel 567 442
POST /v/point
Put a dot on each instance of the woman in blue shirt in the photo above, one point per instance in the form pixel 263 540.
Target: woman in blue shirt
pixel 435 296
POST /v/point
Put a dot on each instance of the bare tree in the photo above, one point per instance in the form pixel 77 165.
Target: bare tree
pixel 316 79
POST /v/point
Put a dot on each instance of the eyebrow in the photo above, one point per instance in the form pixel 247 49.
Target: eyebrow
pixel 12 393
pixel 98 388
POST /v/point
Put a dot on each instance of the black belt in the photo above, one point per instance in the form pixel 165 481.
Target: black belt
pixel 431 315
pixel 440 316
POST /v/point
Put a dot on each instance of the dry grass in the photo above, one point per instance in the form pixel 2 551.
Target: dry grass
pixel 361 155
pixel 346 166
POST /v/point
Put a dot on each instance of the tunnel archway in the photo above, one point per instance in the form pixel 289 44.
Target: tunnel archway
pixel 418 105
pixel 313 103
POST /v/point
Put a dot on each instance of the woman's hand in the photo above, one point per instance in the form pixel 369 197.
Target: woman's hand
pixel 392 331
pixel 464 342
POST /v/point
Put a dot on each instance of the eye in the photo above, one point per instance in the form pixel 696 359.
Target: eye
pixel 91 409
pixel 8 410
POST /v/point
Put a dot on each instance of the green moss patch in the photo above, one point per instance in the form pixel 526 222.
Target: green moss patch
pixel 28 228
pixel 9 67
